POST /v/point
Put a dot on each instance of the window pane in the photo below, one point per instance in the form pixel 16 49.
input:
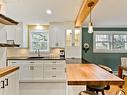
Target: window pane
pixel 119 41
pixel 102 37
pixel 102 45
pixel 39 45
pixel 39 36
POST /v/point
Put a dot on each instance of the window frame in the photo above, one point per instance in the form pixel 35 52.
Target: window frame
pixel 30 40
pixel 110 50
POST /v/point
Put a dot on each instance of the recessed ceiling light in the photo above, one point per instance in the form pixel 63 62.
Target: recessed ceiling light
pixel 48 12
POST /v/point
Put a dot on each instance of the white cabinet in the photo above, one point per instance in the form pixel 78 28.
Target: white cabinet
pixel 2 86
pixel 55 70
pixel 73 43
pixel 47 77
pixel 56 34
pixel 41 77
pixel 29 70
pixel 9 84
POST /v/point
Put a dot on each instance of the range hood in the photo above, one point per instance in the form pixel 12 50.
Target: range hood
pixel 7 21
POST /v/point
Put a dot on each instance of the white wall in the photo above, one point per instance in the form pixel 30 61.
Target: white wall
pixel 2 49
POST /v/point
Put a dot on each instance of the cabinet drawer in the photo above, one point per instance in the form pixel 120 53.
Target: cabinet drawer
pixel 54 75
pixel 55 62
pixel 54 67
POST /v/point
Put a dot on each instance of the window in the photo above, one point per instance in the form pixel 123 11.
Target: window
pixel 39 39
pixel 110 42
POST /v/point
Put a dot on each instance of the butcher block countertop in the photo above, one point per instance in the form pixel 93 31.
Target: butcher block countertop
pixel 90 74
pixel 7 70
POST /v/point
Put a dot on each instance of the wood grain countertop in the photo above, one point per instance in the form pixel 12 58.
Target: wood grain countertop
pixel 7 70
pixel 90 74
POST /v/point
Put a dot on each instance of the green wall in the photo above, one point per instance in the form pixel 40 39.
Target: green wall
pixel 109 59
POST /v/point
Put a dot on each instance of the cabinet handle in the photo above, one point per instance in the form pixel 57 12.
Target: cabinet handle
pixel 13 62
pixel 3 84
pixel 6 82
pixel 53 62
pixel 57 44
pixel 53 76
pixel 73 44
pixel 31 67
pixel 65 69
pixel 32 62
pixel 53 68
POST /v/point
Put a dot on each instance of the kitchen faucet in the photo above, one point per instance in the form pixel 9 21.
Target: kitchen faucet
pixel 37 52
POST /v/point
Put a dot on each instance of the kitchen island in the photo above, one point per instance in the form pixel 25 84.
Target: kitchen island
pixel 89 74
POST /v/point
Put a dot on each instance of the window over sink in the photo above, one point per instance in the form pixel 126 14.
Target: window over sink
pixel 39 39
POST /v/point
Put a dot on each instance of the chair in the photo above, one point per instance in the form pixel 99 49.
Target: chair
pixel 124 66
pixel 120 92
pixel 87 93
pixel 100 88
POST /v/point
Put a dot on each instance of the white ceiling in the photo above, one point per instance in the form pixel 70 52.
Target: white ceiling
pixel 33 11
pixel 109 13
pixel 105 13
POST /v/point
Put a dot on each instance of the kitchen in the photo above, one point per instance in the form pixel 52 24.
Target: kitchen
pixel 69 41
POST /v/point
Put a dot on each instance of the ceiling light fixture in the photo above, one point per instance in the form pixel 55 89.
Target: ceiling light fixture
pixel 90 27
pixel 48 12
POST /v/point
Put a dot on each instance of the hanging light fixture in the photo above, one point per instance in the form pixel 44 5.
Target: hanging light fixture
pixel 90 27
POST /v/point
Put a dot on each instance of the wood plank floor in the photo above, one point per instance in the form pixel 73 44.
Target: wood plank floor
pixel 114 89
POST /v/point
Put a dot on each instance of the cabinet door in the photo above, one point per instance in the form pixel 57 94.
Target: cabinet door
pixel 11 84
pixel 1 86
pixel 57 35
pixel 26 71
pixel 38 71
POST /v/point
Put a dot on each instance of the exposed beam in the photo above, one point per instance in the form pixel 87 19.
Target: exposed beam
pixel 84 12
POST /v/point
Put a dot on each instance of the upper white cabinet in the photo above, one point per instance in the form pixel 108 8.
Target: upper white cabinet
pixel 57 34
pixel 73 43
pixel 73 37
pixel 15 33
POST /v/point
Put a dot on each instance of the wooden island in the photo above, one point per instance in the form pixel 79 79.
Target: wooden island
pixel 90 74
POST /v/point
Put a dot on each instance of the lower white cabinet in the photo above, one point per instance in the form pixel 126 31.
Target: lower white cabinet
pixel 29 70
pixel 41 77
pixel 9 84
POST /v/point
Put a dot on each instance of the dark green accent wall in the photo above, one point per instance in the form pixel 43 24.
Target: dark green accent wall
pixel 109 59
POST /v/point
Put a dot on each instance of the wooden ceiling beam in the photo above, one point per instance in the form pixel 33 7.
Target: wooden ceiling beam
pixel 84 12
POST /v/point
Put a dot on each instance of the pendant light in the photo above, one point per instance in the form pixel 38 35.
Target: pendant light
pixel 90 27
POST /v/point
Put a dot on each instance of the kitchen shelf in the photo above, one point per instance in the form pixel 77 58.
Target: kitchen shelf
pixel 7 21
pixel 8 45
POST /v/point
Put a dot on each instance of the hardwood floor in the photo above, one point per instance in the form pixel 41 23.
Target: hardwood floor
pixel 114 89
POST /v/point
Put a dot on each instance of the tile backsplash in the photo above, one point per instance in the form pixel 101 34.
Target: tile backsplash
pixel 24 52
